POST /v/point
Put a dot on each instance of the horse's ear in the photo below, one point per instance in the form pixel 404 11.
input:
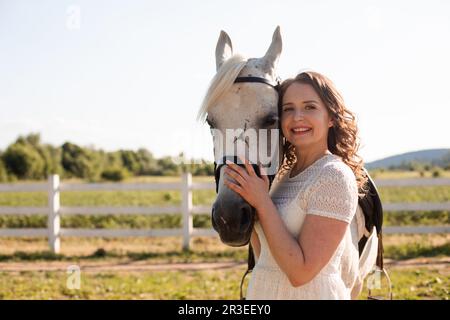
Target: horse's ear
pixel 224 49
pixel 273 53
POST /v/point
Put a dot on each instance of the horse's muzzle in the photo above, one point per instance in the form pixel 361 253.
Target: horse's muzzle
pixel 233 222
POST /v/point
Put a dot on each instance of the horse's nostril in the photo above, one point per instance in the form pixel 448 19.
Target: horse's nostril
pixel 246 215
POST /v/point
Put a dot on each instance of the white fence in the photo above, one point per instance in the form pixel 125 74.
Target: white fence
pixel 54 210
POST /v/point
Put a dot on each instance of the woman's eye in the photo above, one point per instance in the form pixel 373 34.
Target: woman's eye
pixel 310 107
pixel 287 109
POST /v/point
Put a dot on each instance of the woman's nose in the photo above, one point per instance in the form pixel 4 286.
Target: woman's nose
pixel 298 115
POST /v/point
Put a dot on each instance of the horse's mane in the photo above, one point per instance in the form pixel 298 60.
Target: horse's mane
pixel 221 83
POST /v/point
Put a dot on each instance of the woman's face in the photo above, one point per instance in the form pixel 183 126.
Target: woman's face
pixel 304 118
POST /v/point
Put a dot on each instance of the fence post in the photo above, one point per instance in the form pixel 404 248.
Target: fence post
pixel 186 209
pixel 53 222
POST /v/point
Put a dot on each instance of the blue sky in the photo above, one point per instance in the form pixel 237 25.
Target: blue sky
pixel 131 74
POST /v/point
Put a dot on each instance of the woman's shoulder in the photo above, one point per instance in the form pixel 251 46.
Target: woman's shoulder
pixel 334 193
pixel 337 171
pixel 336 166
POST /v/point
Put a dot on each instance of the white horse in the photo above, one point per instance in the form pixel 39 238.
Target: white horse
pixel 241 106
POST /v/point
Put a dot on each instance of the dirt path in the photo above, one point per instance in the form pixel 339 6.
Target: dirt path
pixel 129 266
pixel 142 266
pixel 442 263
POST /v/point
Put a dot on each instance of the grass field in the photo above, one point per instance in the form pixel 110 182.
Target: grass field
pixel 418 281
pixel 213 284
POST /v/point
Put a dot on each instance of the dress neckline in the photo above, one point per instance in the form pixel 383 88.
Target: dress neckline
pixel 307 169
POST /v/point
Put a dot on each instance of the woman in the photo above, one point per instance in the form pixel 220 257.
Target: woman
pixel 302 239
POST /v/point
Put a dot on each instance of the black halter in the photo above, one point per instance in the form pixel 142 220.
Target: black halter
pixel 260 80
pixel 234 159
pixel 218 166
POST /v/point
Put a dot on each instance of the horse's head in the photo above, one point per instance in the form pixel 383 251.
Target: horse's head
pixel 241 101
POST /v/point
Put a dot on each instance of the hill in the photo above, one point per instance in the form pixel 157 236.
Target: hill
pixel 433 157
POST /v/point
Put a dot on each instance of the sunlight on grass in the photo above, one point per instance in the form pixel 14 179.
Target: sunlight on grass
pixel 213 284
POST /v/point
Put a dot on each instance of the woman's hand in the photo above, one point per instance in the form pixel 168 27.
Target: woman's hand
pixel 247 184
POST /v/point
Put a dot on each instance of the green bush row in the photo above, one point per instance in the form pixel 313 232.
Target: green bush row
pixel 29 158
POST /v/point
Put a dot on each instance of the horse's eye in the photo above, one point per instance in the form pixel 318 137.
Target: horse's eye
pixel 210 123
pixel 270 121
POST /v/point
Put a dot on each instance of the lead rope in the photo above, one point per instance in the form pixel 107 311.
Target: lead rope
pixel 242 283
pixel 250 266
pixel 380 265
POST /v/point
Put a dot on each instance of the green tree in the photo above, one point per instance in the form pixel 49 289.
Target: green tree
pixel 130 161
pixel 50 155
pixel 148 165
pixel 24 161
pixel 167 167
pixel 79 162
pixel 3 172
pixel 112 160
pixel 203 168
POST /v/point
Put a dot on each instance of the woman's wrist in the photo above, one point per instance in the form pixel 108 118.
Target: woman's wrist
pixel 264 205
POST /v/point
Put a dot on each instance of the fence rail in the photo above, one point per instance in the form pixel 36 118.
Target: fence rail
pixel 54 210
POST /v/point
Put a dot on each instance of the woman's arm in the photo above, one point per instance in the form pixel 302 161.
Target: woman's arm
pixel 301 259
pixel 256 245
pixel 330 210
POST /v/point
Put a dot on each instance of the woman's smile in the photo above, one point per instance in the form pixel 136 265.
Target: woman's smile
pixel 301 131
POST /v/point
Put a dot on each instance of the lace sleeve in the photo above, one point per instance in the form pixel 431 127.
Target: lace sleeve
pixel 334 194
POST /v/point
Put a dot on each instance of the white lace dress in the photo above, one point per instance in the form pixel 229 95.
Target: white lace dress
pixel 326 188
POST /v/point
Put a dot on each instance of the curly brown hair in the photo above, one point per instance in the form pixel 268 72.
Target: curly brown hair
pixel 342 136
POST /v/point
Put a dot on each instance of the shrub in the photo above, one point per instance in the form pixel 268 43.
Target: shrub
pixel 437 173
pixel 114 174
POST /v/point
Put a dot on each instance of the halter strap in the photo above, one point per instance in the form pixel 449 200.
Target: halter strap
pixel 217 166
pixel 234 159
pixel 260 80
